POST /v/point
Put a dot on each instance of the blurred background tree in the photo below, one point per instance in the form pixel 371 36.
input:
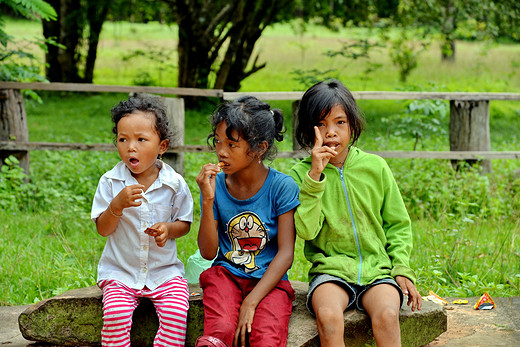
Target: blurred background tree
pixel 216 39
pixel 17 63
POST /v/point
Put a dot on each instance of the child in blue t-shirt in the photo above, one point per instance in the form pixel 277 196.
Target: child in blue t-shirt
pixel 247 223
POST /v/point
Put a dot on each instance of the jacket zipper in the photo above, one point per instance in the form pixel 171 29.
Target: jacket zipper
pixel 353 224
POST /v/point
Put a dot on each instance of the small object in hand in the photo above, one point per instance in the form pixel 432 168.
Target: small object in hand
pixel 221 164
pixel 151 232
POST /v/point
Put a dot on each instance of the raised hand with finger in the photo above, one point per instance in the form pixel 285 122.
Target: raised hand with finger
pixel 320 156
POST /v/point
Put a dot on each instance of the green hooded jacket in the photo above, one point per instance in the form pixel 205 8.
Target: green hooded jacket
pixel 354 221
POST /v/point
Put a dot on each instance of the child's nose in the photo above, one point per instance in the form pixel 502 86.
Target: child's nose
pixel 330 132
pixel 132 145
pixel 221 152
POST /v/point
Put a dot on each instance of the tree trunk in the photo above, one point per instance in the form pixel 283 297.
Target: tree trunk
pixel 13 125
pixel 206 27
pixel 448 51
pixel 62 63
pixel 469 129
pixel 448 27
pixel 96 14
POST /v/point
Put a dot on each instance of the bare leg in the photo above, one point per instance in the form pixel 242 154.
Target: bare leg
pixel 382 304
pixel 329 301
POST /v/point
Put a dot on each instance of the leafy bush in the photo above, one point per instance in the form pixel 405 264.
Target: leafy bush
pixel 14 190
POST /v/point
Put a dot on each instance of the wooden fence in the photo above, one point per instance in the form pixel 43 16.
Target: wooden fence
pixel 469 120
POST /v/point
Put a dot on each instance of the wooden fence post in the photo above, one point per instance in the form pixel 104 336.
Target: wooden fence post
pixel 13 125
pixel 469 129
pixel 175 114
pixel 295 106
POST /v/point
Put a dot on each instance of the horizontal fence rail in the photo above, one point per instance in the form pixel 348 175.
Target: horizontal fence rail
pixel 382 95
pixel 107 147
pixel 14 146
pixel 85 87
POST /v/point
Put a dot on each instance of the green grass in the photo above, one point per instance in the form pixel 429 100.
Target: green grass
pixel 466 229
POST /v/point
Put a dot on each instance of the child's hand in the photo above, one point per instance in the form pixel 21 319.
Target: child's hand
pixel 127 198
pixel 245 320
pixel 320 156
pixel 206 180
pixel 409 290
pixel 159 231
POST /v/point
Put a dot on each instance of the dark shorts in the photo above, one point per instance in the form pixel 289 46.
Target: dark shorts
pixel 355 292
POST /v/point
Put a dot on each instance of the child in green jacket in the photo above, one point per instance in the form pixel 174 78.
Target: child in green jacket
pixel 357 231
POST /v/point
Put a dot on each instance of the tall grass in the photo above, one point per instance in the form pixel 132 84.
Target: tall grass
pixel 466 225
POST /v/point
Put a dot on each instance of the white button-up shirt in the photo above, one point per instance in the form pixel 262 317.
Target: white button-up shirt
pixel 131 256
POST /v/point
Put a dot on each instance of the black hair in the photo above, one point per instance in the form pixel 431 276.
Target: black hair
pixel 316 104
pixel 151 105
pixel 254 121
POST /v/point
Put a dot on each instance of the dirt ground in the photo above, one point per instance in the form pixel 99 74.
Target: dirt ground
pixel 469 327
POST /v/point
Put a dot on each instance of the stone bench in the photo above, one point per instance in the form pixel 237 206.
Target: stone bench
pixel 75 318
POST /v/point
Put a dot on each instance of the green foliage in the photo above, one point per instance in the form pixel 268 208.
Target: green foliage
pixel 32 8
pixel 405 51
pixel 421 119
pixel 349 52
pixel 14 193
pixel 19 64
pixel 157 57
pixel 435 190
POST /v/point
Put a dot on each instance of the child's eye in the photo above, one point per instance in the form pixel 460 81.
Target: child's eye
pixel 232 145
pixel 141 139
pixel 320 124
pixel 121 140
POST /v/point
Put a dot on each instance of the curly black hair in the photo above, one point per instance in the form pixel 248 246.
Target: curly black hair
pixel 147 105
pixel 254 121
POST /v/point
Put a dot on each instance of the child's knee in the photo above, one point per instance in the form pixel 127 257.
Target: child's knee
pixel 385 318
pixel 222 329
pixel 329 318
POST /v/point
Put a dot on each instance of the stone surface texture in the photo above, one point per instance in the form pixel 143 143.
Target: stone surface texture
pixel 74 318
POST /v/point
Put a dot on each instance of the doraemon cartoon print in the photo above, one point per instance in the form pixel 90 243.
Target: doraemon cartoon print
pixel 248 236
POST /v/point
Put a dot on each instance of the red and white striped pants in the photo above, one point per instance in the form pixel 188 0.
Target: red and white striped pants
pixel 119 302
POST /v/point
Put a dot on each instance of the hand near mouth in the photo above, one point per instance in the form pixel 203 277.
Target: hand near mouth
pixel 206 179
pixel 321 155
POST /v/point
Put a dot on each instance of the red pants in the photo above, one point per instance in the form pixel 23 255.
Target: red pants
pixel 223 295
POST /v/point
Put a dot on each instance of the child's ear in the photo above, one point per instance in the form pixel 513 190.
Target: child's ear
pixel 262 148
pixel 163 146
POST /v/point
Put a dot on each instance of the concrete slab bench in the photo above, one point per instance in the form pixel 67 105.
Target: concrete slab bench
pixel 74 318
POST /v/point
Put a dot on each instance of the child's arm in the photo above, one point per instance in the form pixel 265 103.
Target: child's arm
pixel 107 221
pixel 274 273
pixel 168 230
pixel 409 290
pixel 208 233
pixel 308 217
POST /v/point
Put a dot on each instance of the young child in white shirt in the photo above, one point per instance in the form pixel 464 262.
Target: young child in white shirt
pixel 142 206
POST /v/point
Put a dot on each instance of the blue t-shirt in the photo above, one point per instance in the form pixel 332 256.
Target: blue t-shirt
pixel 248 229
